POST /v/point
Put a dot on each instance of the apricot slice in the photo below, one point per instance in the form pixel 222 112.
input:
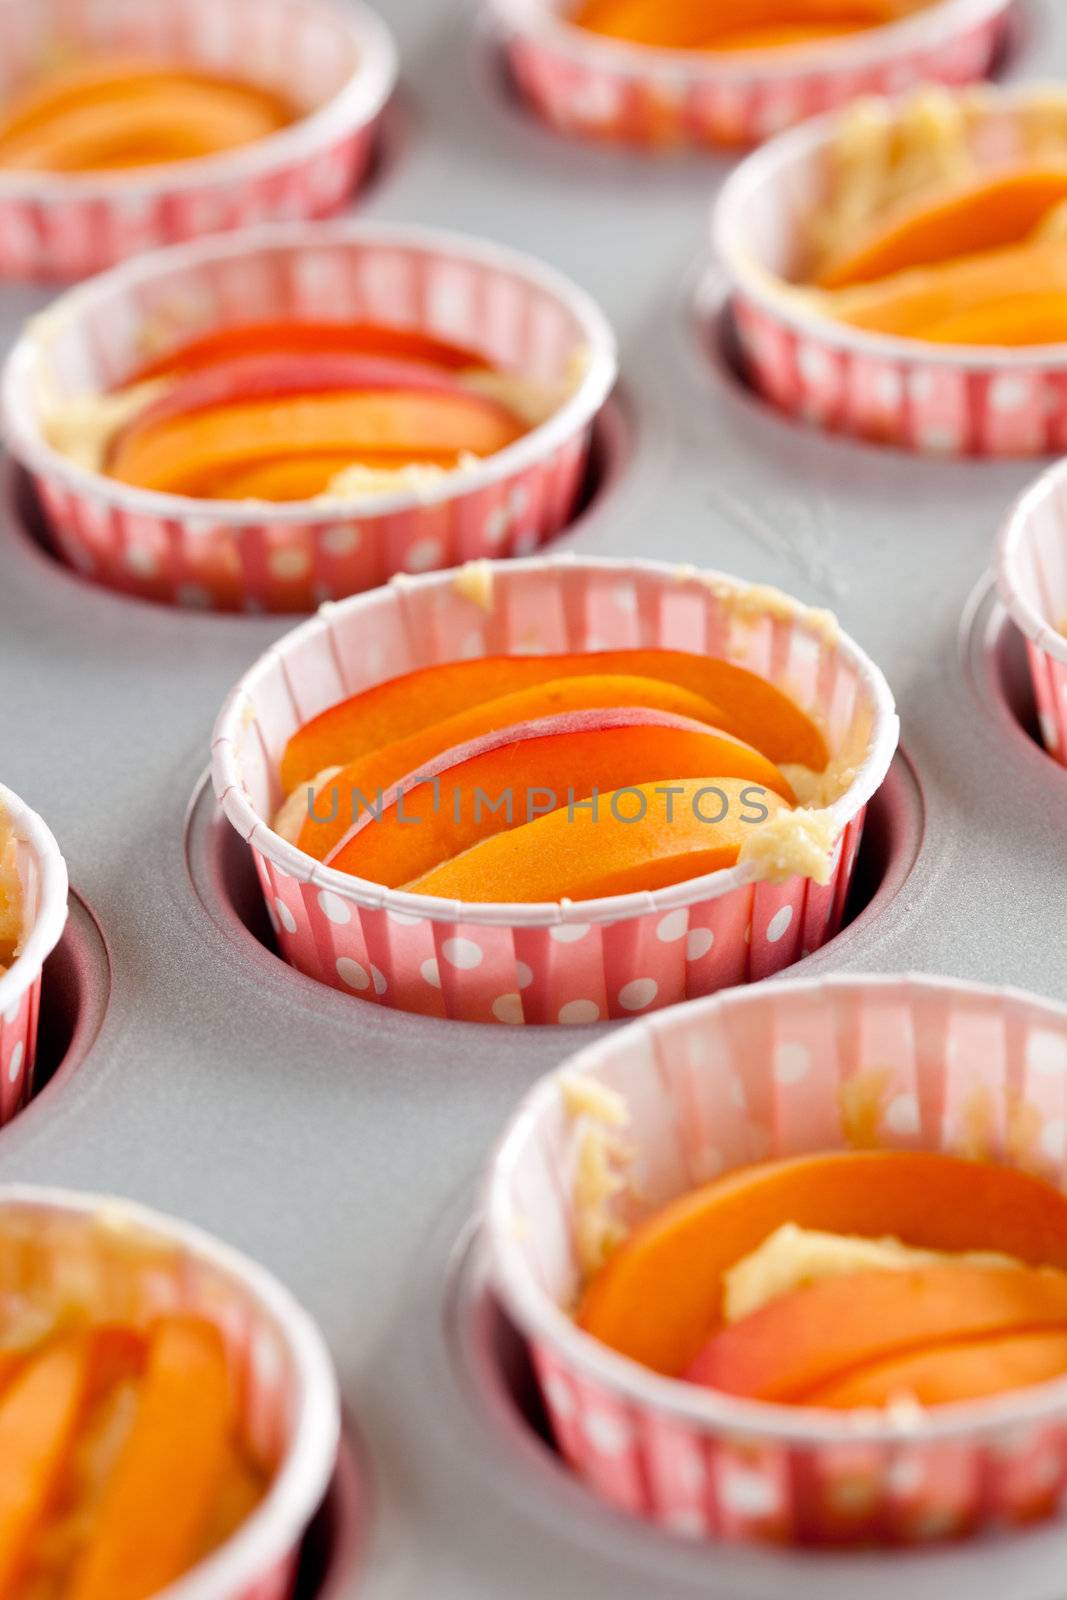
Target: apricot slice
pixel 307 338
pixel 908 302
pixel 166 457
pixel 986 212
pixel 303 477
pixel 39 1415
pixel 170 121
pixel 393 762
pixel 786 36
pixel 824 1331
pixel 507 778
pixel 1017 319
pixel 683 24
pixel 746 706
pixel 271 376
pixel 660 834
pixel 659 1296
pixel 963 1370
pixel 160 1497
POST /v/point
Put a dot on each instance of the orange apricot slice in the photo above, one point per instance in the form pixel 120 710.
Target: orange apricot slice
pixel 659 1296
pixel 683 24
pixel 306 338
pixel 908 302
pixel 807 1339
pixel 303 477
pixel 507 778
pixel 646 837
pixel 960 1370
pixel 361 780
pixel 39 1415
pixel 1015 320
pixel 160 1497
pixel 746 705
pixel 983 212
pixel 170 122
pixel 167 457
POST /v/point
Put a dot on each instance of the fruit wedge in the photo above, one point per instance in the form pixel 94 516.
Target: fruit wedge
pixel 689 24
pixel 818 1335
pixel 41 1408
pixel 506 779
pixel 987 211
pixel 951 1373
pixel 658 1298
pixel 170 457
pixel 392 762
pixel 907 303
pixel 745 705
pixel 159 1501
pixel 659 835
pixel 1015 320
pixel 302 477
pixel 307 338
pixel 271 377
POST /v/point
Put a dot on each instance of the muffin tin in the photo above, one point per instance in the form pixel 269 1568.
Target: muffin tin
pixel 341 1144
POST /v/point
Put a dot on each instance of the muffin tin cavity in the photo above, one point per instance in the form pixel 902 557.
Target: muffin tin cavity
pixel 611 450
pixel 224 878
pixel 994 658
pixel 333 1548
pixel 75 993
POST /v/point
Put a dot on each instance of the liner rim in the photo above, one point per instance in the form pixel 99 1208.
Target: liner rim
pixel 279 1521
pixel 707 1410
pixel 1008 551
pixel 538 21
pixel 357 104
pixel 610 910
pixel 748 277
pixel 51 918
pixel 27 443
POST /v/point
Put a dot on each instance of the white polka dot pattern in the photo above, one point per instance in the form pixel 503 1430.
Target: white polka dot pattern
pixel 565 968
pixel 580 89
pixel 706 1477
pixel 235 563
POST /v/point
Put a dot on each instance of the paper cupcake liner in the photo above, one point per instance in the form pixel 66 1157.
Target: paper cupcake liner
pixel 1032 581
pixel 43 874
pixel 523 317
pixel 937 400
pixel 750 1077
pixel 576 963
pixel 137 1264
pixel 608 89
pixel 339 62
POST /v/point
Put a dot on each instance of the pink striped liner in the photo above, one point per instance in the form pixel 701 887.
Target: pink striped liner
pixel 753 1076
pixel 135 1265
pixel 1032 581
pixel 43 875
pixel 337 61
pixel 520 315
pixel 553 963
pixel 607 89
pixel 951 400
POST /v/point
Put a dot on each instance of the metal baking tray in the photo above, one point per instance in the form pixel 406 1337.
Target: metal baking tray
pixel 341 1143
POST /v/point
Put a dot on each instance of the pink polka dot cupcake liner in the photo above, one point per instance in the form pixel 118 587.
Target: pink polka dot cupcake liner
pixel 588 85
pixel 337 62
pixel 522 317
pixel 137 1265
pixel 549 963
pixel 43 879
pixel 760 1075
pixel 1032 581
pixel 948 400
